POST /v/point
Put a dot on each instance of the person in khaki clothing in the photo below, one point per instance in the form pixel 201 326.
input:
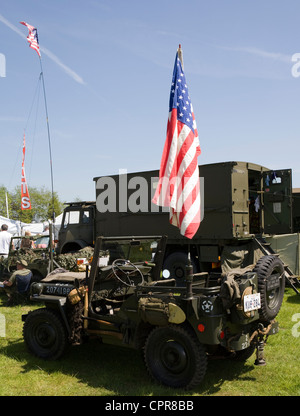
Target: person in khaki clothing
pixel 19 281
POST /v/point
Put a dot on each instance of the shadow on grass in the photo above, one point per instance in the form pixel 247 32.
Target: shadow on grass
pixel 121 371
pixel 295 298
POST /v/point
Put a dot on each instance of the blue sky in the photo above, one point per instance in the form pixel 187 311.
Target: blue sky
pixel 108 67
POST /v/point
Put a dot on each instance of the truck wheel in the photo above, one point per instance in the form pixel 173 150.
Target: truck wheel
pixel 174 357
pixel 45 334
pixel 271 284
pixel 176 263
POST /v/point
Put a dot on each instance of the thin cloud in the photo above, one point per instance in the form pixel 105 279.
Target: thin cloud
pixel 48 53
pixel 67 70
pixel 12 119
pixel 260 52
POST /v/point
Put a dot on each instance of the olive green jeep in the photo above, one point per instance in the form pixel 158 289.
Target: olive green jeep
pixel 125 298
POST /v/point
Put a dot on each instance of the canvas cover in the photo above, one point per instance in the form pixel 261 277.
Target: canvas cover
pixel 288 248
pixel 240 257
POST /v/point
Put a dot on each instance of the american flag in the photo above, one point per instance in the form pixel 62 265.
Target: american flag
pixel 178 186
pixel 32 37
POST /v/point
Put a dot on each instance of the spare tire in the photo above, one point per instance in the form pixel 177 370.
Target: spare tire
pixel 176 263
pixel 271 284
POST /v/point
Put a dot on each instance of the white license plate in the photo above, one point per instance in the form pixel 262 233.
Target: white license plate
pixel 252 302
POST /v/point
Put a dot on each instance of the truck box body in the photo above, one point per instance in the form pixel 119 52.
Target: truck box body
pixel 240 202
pixel 239 199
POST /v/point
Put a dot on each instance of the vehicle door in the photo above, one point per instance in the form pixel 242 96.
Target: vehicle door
pixel 277 202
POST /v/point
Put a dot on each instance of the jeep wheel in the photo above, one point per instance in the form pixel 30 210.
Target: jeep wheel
pixel 271 284
pixel 44 334
pixel 174 357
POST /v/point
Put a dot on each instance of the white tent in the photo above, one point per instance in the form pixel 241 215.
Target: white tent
pixel 14 227
pixel 18 228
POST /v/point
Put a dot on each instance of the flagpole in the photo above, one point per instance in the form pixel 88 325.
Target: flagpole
pixel 6 199
pixel 32 38
pixel 49 141
pixel 180 55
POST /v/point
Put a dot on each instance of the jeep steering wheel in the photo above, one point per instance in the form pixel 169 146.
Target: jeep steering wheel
pixel 123 270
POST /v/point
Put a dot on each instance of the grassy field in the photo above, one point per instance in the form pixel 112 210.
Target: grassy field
pixel 101 370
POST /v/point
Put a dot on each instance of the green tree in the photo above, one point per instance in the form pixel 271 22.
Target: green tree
pixel 41 204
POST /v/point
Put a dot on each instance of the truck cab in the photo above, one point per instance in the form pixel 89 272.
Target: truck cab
pixel 77 227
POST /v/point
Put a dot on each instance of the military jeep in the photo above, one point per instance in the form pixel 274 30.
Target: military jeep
pixel 125 298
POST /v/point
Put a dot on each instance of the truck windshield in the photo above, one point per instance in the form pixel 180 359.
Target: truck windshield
pixel 71 217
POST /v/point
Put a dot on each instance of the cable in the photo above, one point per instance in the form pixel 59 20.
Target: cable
pixel 21 141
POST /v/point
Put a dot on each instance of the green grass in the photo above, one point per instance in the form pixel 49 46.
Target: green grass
pixel 94 369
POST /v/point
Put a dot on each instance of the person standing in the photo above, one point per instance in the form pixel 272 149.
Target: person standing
pixel 5 238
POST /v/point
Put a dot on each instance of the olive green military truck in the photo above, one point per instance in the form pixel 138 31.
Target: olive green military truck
pixel 126 299
pixel 241 204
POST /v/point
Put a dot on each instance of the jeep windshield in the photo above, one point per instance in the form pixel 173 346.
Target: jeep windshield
pixel 136 250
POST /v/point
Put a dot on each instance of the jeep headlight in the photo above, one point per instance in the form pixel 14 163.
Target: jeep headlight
pixel 36 289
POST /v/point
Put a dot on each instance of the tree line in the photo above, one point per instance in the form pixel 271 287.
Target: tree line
pixel 41 204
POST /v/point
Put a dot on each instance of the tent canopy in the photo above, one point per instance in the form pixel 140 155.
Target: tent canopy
pixel 18 228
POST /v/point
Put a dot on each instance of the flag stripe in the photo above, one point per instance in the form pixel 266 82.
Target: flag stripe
pixel 179 186
pixel 32 37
